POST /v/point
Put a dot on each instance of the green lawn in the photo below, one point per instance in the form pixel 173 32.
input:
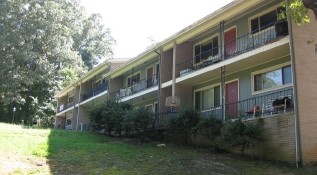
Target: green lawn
pixel 39 151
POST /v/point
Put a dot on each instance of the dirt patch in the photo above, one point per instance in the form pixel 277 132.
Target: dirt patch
pixel 13 164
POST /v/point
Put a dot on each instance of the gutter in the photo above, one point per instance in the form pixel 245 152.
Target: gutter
pixel 159 82
pixel 296 118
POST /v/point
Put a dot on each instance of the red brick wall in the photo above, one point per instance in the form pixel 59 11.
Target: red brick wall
pixel 305 40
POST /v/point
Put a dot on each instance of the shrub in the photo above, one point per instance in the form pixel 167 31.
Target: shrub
pixel 184 125
pixel 109 116
pixel 137 122
pixel 210 127
pixel 240 134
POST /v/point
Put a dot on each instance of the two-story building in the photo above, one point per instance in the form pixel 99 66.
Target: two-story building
pixel 241 60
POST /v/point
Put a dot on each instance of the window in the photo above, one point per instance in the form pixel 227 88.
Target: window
pixel 71 99
pixel 207 98
pixel 149 108
pixel 203 51
pixel 68 121
pixel 265 21
pixel 273 79
pixel 134 79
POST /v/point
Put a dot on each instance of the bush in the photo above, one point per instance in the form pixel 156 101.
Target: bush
pixel 137 122
pixel 240 134
pixel 210 127
pixel 183 126
pixel 109 116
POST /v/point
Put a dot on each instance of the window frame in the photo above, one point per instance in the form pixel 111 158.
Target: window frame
pixel 129 77
pixel 266 70
pixel 206 88
pixel 205 42
pixel 262 13
pixel 149 106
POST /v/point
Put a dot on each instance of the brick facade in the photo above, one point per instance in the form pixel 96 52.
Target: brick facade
pixel 305 40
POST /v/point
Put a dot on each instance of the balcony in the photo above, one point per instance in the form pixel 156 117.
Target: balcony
pixel 242 44
pixel 63 107
pixel 135 88
pixel 95 91
pixel 278 102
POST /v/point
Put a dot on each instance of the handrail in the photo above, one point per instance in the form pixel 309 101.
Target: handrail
pixel 256 105
pixel 136 87
pixel 94 91
pixel 240 45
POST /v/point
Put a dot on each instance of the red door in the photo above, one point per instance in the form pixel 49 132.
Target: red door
pixel 230 42
pixel 232 100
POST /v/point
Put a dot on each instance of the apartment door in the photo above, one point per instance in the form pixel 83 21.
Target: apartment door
pixel 230 42
pixel 232 97
pixel 149 75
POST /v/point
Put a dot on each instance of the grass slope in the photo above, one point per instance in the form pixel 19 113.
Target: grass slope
pixel 38 151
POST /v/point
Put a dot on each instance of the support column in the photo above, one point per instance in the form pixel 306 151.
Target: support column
pixel 174 70
pixel 222 70
pixel 78 104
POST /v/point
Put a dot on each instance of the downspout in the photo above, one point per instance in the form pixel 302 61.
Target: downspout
pixel 296 119
pixel 78 104
pixel 159 82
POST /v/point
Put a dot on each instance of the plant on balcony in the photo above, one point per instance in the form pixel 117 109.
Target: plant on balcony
pixel 240 134
pixel 183 127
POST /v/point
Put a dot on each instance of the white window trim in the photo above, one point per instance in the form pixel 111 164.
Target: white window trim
pixel 272 68
pixel 152 109
pixel 205 88
pixel 138 72
pixel 205 41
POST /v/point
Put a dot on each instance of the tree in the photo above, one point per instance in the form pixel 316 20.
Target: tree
pixel 241 135
pixel 38 48
pixel 298 10
pixel 93 42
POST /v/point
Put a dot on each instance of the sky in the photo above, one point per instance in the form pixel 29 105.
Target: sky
pixel 133 22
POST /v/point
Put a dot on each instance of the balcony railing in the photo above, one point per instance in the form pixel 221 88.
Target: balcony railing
pixel 95 91
pixel 65 106
pixel 268 104
pixel 135 88
pixel 240 45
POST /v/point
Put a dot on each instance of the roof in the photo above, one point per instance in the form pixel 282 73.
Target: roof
pixel 226 12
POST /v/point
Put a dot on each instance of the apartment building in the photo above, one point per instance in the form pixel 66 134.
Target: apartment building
pixel 241 60
pixel 74 101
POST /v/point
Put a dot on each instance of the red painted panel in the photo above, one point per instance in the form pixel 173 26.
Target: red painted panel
pixel 230 42
pixel 232 98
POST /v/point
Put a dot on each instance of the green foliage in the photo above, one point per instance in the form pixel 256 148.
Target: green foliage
pixel 297 11
pixel 43 151
pixel 240 134
pixel 184 125
pixel 110 116
pixel 210 127
pixel 116 117
pixel 42 48
pixel 137 122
